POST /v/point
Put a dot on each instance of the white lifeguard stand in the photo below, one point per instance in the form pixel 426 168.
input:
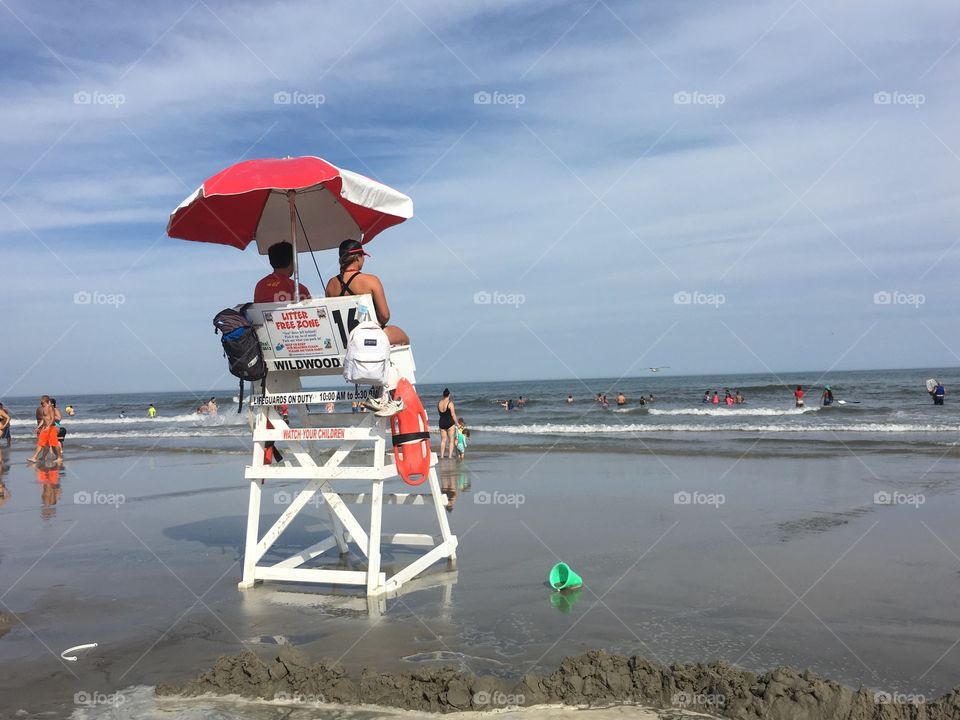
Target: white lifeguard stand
pixel 330 446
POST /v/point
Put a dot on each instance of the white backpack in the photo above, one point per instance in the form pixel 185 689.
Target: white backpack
pixel 367 358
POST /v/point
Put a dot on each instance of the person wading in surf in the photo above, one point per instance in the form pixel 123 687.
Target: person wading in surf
pixel 448 423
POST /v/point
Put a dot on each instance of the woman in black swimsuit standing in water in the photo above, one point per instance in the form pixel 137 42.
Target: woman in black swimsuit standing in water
pixel 448 423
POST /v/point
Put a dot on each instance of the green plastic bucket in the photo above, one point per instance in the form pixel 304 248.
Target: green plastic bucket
pixel 563 578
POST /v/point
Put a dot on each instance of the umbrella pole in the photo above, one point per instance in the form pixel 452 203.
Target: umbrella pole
pixel 292 199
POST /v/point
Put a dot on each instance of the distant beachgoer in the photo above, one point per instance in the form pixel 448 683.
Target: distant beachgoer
pixel 738 398
pixel 351 281
pixel 798 395
pixel 462 433
pixel 651 399
pixel 826 397
pixel 5 422
pixel 448 421
pixel 728 399
pixel 151 411
pixel 939 392
pixel 622 400
pixel 643 401
pixel 122 415
pixel 69 410
pixel 521 402
pixel 599 398
pixel 212 406
pixel 278 285
pixel 569 399
pixel 47 436
pixel 330 407
pixel 57 420
pixel 716 398
pixel 202 409
pixel 706 396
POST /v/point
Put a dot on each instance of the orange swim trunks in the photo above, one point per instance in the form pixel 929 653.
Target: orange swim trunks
pixel 48 437
pixel 49 477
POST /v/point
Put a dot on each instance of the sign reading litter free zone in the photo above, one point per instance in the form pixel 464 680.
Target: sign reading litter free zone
pixel 299 333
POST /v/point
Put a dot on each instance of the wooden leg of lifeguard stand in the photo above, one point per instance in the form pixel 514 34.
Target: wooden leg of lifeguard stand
pixel 441 511
pixel 253 530
pixel 373 539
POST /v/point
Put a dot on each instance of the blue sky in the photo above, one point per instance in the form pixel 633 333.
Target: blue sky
pixel 713 186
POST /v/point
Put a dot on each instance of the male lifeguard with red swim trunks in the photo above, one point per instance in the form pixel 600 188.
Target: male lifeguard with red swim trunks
pixel 47 431
pixel 278 285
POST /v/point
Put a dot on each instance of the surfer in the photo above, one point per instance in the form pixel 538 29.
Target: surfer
pixel 827 396
pixel 448 421
pixel 278 285
pixel 351 281
pixel 798 396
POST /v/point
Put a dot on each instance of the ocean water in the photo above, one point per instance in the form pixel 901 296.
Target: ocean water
pixel 883 411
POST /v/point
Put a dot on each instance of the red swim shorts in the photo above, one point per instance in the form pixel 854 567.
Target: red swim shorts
pixel 48 437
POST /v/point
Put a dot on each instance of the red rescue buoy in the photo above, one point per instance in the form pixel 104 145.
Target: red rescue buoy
pixel 411 436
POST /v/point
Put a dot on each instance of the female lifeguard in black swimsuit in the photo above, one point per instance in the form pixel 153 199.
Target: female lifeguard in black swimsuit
pixel 351 281
pixel 448 423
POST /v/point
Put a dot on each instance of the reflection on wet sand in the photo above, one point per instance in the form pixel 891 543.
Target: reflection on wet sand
pixel 48 475
pixel 454 478
pixel 4 469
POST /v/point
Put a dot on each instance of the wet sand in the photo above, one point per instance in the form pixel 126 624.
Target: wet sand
pixel 152 579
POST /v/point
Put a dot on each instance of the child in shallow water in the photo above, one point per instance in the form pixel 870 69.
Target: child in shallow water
pixel 460 439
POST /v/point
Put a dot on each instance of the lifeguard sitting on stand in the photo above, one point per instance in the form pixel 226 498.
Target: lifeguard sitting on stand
pixel 350 281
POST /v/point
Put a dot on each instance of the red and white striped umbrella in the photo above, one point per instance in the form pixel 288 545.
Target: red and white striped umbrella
pixel 303 200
